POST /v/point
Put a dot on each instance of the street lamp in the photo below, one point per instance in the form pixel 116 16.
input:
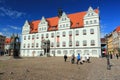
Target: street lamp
pixel 108 60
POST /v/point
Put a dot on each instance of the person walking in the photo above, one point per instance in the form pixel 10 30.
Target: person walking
pixel 78 58
pixel 65 57
pixel 73 59
pixel 88 58
pixel 117 56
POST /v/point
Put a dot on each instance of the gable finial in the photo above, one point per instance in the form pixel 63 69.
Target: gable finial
pixel 60 11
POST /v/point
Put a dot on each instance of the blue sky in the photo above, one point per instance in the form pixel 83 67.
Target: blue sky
pixel 13 13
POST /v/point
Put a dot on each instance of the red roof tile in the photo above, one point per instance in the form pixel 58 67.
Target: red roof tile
pixel 7 41
pixel 76 22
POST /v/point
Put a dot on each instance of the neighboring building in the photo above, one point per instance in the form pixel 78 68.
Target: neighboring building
pixel 73 33
pixel 2 44
pixel 12 46
pixel 7 46
pixel 116 40
pixel 110 44
pixel 103 47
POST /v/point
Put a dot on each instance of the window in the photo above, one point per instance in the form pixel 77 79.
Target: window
pixel 84 43
pixel 66 25
pixel 28 37
pixel 33 36
pixel 84 32
pixel 37 45
pixel 65 52
pixel 63 44
pixel 58 52
pixel 42 36
pixel 37 37
pixel 70 43
pixel 58 34
pixel 24 37
pixel 95 21
pixel 70 33
pixel 24 46
pixel 52 44
pixel 92 42
pixel 63 25
pixel 39 29
pixel 91 31
pixel 47 35
pixel 64 33
pixel 77 43
pixel 60 26
pixel 86 22
pixel 32 45
pixel 77 32
pixel 58 44
pixel 52 35
pixel 91 22
pixel 28 45
pixel 94 52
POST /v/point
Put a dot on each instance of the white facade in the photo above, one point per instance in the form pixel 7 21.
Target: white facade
pixel 71 40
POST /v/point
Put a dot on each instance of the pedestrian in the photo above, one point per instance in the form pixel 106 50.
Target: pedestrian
pixel 110 56
pixel 78 58
pixel 65 57
pixel 117 56
pixel 88 58
pixel 73 59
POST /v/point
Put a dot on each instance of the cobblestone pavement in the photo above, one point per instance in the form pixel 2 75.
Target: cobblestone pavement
pixel 5 57
pixel 54 68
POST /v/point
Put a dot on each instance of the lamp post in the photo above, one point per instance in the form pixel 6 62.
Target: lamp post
pixel 108 60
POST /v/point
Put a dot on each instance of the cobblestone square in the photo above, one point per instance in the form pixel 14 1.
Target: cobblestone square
pixel 54 68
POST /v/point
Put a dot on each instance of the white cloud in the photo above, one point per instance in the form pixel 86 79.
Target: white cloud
pixel 1 33
pixel 15 27
pixel 11 13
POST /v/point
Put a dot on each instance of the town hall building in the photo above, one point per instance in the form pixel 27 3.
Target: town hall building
pixel 68 34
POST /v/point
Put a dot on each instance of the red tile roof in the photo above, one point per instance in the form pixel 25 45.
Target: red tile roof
pixel 7 41
pixel 118 29
pixel 76 22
